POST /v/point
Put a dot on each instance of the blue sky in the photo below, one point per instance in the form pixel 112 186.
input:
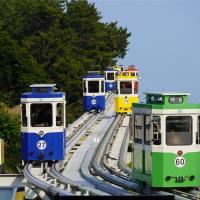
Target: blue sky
pixel 165 42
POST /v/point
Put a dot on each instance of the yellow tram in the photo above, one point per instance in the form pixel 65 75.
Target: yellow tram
pixel 126 90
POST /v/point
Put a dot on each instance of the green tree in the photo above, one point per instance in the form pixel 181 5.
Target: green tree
pixel 10 132
pixel 18 69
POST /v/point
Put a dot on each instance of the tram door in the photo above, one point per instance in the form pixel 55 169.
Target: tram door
pixel 147 159
pixel 152 138
pixel 138 143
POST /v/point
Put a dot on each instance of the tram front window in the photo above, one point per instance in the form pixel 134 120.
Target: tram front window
pixel 179 130
pixel 93 86
pixel 125 87
pixel 41 115
pixel 110 76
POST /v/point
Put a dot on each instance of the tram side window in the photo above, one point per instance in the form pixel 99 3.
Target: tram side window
pixel 110 76
pixel 102 86
pixel 147 129
pixel 135 87
pixel 93 86
pixel 179 130
pixel 24 117
pixel 41 115
pixel 138 128
pixel 84 86
pixel 125 87
pixel 156 130
pixel 198 131
pixel 59 114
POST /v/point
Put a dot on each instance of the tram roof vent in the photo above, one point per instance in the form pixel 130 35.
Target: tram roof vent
pixel 43 88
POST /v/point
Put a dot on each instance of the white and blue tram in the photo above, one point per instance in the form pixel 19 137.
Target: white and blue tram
pixel 110 83
pixel 43 128
pixel 94 91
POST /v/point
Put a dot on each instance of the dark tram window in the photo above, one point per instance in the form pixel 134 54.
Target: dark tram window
pixel 156 130
pixel 179 130
pixel 102 86
pixel 41 115
pixel 24 117
pixel 135 87
pixel 84 86
pixel 198 131
pixel 138 128
pixel 42 90
pixel 59 114
pixel 93 86
pixel 125 87
pixel 147 129
pixel 110 76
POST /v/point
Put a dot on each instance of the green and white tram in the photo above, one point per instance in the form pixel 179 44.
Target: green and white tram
pixel 166 141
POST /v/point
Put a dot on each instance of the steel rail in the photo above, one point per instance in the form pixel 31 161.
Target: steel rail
pixel 98 161
pixel 40 184
pixel 123 152
pixel 89 165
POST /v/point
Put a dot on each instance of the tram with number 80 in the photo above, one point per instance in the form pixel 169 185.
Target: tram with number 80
pixel 166 141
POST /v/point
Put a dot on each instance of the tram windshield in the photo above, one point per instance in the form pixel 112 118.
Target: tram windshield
pixel 110 76
pixel 93 86
pixel 41 115
pixel 125 87
pixel 179 130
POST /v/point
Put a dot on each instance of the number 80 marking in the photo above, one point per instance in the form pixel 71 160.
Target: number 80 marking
pixel 180 161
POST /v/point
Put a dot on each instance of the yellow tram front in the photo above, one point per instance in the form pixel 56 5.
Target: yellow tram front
pixel 127 90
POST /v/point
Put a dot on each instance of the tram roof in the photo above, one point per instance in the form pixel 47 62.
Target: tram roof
pixel 109 70
pixel 93 76
pixel 42 85
pixel 168 93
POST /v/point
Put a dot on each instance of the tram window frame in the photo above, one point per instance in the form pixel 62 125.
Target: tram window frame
pixel 124 89
pixel 157 137
pixel 112 78
pixel 198 130
pixel 175 129
pixel 59 114
pixel 95 88
pixel 84 87
pixel 147 140
pixel 24 117
pixel 138 137
pixel 47 123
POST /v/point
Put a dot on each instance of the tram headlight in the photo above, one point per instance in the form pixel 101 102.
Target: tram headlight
pixel 191 178
pixel 41 133
pixel 167 178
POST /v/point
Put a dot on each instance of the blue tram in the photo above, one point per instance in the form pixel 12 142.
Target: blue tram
pixel 110 84
pixel 94 92
pixel 43 129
